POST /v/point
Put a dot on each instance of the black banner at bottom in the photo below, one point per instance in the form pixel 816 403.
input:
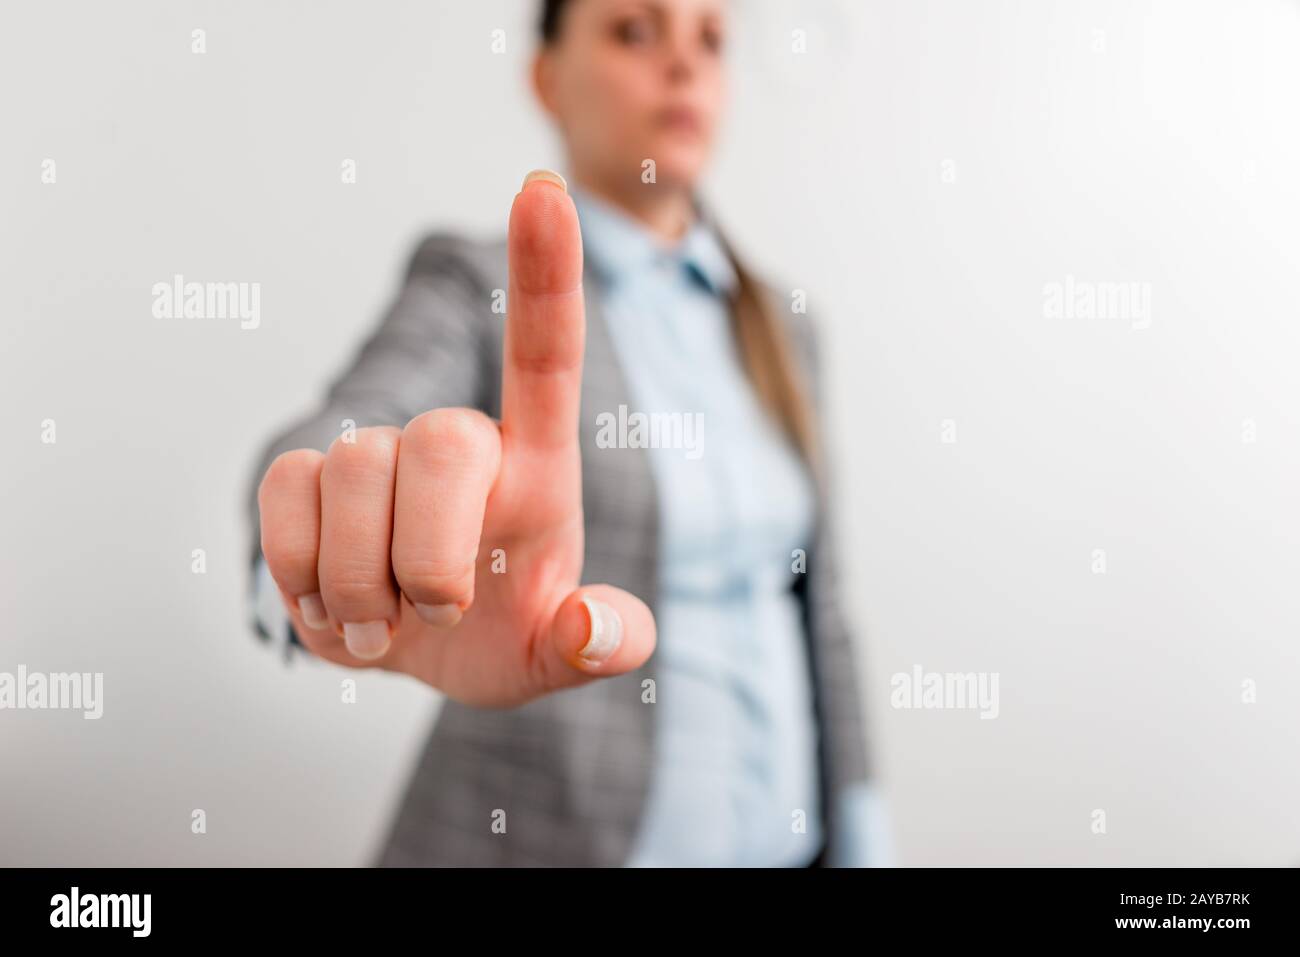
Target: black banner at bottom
pixel 94 907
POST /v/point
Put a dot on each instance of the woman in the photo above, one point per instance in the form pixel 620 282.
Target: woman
pixel 643 421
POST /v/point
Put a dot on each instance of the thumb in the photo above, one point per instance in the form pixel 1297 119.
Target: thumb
pixel 598 632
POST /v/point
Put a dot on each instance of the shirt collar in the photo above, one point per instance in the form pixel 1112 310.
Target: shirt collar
pixel 616 245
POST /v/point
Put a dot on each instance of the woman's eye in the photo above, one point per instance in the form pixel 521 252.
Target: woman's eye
pixel 633 32
pixel 712 40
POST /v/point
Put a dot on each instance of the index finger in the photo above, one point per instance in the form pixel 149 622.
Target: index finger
pixel 545 325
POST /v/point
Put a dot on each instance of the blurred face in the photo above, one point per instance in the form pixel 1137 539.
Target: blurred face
pixel 631 80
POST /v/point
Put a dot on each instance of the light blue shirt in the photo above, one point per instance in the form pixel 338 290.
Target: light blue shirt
pixel 735 780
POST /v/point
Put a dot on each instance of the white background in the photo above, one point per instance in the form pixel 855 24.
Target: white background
pixel 1161 150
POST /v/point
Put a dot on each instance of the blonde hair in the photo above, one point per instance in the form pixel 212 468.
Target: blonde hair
pixel 767 355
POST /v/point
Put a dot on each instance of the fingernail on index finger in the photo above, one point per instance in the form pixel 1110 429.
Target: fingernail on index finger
pixel 545 176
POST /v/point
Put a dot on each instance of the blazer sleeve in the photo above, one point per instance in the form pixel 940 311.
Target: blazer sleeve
pixel 432 348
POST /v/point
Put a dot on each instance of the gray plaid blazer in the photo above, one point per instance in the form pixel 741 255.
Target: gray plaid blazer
pixel 571 770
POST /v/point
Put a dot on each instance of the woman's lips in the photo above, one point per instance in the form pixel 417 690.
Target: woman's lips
pixel 680 119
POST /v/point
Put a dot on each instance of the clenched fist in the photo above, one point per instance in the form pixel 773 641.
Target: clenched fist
pixel 383 547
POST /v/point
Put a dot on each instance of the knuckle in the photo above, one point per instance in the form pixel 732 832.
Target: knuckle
pixel 372 449
pixel 288 550
pixel 452 432
pixel 349 595
pixel 289 470
pixel 547 362
pixel 431 580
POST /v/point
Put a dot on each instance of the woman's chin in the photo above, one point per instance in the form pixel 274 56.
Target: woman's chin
pixel 678 162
